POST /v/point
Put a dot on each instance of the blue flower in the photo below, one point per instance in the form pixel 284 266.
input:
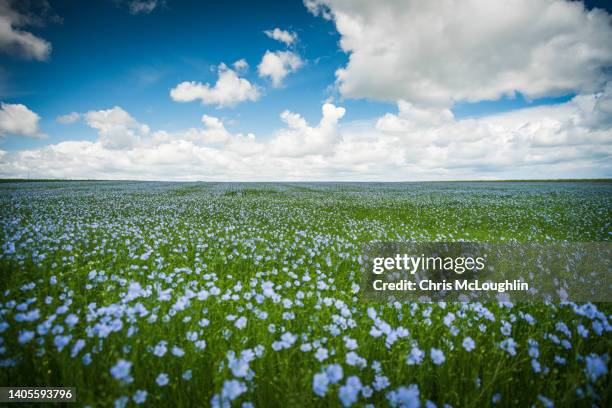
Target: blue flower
pixel 140 396
pixel 162 380
pixel 121 371
pixel 437 356
pixel 468 344
pixel 320 383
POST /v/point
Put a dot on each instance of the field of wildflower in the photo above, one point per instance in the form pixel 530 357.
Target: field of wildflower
pixel 198 294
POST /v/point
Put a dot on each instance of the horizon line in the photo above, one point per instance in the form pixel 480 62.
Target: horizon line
pixel 551 180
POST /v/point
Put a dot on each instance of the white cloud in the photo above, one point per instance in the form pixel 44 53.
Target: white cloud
pixel 286 37
pixel 68 118
pixel 116 128
pixel 142 6
pixel 299 139
pixel 241 65
pixel 229 90
pixel 531 142
pixel 214 132
pixel 437 52
pixel 14 40
pixel 278 64
pixel 568 140
pixel 17 119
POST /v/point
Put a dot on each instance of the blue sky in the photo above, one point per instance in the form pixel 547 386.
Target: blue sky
pixel 105 55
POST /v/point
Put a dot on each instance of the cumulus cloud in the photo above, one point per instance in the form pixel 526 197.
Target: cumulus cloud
pixel 286 37
pixel 14 40
pixel 241 65
pixel 438 52
pixel 213 132
pixel 299 139
pixel 68 118
pixel 17 119
pixel 143 6
pixel 533 140
pixel 278 64
pixel 228 91
pixel 568 140
pixel 116 128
